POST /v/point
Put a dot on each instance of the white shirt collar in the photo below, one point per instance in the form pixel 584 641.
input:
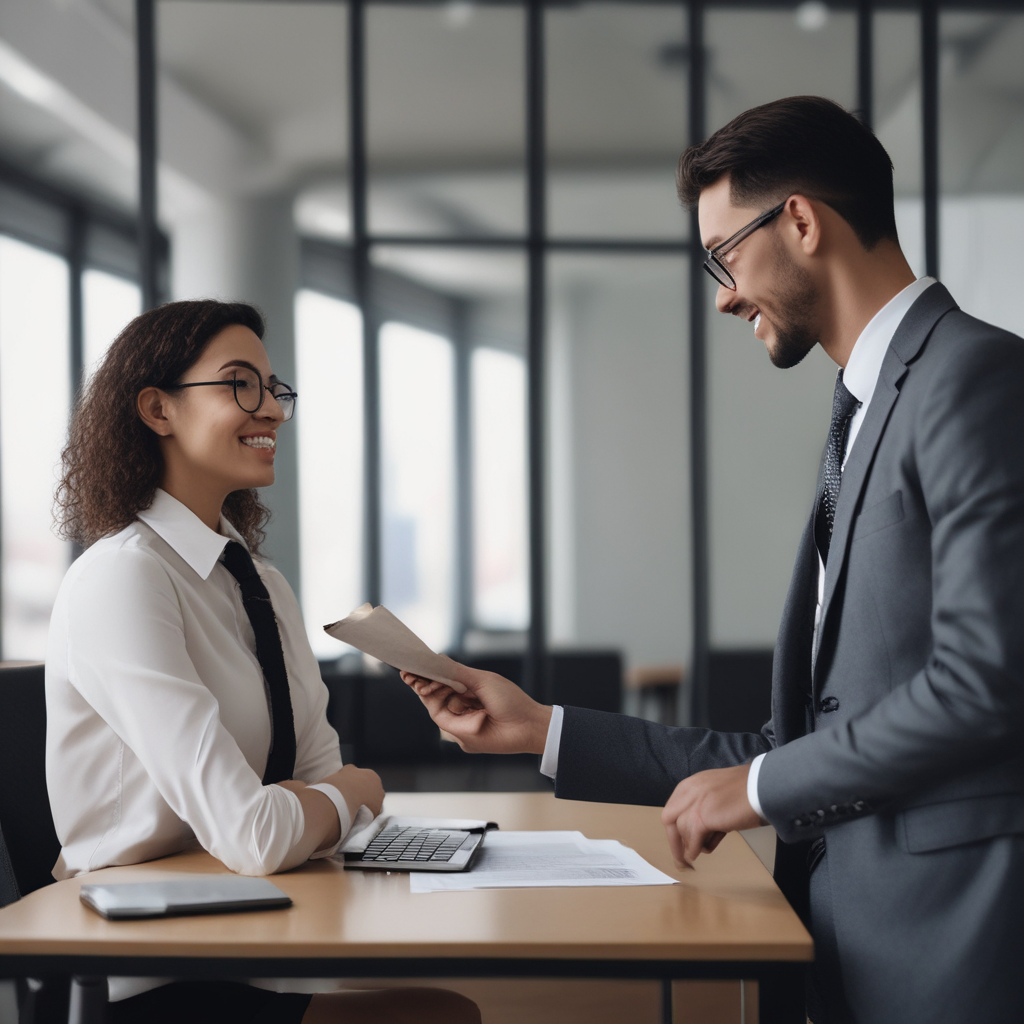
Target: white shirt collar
pixel 190 537
pixel 865 362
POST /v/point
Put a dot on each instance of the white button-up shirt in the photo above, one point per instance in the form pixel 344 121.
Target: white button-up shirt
pixel 158 728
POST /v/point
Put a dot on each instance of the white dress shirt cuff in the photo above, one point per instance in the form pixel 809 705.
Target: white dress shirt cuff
pixel 549 761
pixel 755 770
pixel 344 817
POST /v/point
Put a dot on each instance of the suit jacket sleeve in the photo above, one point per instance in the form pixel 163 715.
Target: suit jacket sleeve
pixel 965 707
pixel 618 759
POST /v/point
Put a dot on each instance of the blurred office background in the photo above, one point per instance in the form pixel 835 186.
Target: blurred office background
pixel 515 429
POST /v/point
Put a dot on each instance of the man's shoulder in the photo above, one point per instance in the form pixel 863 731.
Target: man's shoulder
pixel 960 336
pixel 962 351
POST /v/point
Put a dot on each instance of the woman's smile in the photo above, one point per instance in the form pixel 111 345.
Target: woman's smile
pixel 264 443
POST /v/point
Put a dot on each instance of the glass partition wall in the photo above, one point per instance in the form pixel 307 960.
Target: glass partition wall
pixel 474 203
pixel 410 141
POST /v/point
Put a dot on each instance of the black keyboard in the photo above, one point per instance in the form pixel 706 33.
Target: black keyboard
pixel 417 849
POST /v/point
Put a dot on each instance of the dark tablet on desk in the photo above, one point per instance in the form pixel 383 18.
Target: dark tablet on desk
pixel 217 894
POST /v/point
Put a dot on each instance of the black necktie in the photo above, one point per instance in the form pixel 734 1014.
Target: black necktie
pixel 843 406
pixel 256 600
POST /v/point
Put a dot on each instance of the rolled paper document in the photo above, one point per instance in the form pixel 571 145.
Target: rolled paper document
pixel 382 635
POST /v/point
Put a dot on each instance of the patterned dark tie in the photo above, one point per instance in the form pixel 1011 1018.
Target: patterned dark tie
pixel 256 600
pixel 843 407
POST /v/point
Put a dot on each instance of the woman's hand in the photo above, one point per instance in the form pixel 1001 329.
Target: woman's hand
pixel 493 716
pixel 358 786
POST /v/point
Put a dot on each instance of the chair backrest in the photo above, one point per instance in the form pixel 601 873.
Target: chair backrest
pixel 740 697
pixel 9 891
pixel 25 819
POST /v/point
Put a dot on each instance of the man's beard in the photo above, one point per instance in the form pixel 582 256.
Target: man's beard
pixel 796 332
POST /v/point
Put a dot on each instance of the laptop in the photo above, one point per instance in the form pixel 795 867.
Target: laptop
pixel 393 843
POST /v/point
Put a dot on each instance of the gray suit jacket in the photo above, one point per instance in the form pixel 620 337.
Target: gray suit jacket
pixel 902 749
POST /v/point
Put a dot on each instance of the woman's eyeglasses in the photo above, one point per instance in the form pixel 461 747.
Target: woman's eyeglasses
pixel 713 261
pixel 250 391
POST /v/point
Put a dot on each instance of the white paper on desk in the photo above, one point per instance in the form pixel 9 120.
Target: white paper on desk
pixel 522 860
pixel 382 635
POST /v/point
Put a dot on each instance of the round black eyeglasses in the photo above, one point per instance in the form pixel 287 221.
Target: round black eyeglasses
pixel 250 391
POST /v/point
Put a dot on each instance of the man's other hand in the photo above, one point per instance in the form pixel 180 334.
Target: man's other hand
pixel 493 716
pixel 703 808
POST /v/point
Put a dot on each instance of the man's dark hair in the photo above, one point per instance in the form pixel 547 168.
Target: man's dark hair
pixel 802 144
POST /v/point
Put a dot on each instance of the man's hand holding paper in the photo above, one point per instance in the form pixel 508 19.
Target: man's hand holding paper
pixel 492 715
pixel 483 712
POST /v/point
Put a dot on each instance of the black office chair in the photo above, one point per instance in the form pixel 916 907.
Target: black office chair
pixel 8 883
pixel 29 846
pixel 32 843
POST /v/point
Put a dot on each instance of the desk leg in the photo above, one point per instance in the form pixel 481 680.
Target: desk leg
pixel 88 1000
pixel 666 1001
pixel 43 1000
pixel 781 995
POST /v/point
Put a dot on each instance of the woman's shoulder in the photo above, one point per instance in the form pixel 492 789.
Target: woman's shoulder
pixel 114 578
pixel 128 554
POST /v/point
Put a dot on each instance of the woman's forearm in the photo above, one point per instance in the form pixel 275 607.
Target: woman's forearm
pixel 359 787
pixel 322 826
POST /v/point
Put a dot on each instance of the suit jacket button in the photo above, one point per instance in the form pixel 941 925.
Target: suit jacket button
pixel 829 704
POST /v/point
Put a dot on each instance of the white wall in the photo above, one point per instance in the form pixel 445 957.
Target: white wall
pixel 619 524
pixel 619 511
pixel 767 430
pixel 979 256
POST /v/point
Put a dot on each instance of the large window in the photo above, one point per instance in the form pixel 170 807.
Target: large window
pixel 65 292
pixel 109 302
pixel 501 598
pixel 417 371
pixel 35 388
pixel 329 419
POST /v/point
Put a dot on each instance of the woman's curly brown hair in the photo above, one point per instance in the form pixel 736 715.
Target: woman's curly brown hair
pixel 112 463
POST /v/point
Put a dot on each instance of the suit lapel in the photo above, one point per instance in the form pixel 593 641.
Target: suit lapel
pixel 910 336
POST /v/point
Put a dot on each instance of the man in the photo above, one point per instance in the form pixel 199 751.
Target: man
pixel 892 767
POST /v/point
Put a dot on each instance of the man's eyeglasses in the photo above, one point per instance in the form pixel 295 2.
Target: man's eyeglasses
pixel 250 391
pixel 713 261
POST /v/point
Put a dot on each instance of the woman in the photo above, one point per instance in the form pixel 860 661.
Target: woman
pixel 182 709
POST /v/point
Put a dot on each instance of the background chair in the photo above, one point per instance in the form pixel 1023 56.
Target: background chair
pixel 32 843
pixel 8 883
pixel 28 841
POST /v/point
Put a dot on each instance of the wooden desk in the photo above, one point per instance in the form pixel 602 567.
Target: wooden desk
pixel 726 919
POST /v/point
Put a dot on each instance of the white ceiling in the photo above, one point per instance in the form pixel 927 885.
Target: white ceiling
pixel 446 92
